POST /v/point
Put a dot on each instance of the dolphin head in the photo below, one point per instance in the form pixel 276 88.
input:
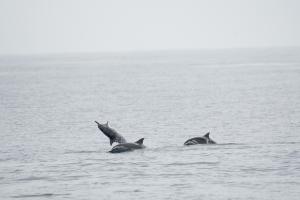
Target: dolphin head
pixel 113 135
pixel 102 126
pixel 105 130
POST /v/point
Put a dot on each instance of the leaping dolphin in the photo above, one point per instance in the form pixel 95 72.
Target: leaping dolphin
pixel 128 146
pixel 200 140
pixel 112 134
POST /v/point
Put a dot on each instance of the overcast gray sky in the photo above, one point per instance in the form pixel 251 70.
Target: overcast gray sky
pixel 59 26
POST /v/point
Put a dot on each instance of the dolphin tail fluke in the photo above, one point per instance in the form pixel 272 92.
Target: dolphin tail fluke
pixel 140 141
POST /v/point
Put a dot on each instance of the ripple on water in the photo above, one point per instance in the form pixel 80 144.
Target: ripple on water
pixel 34 178
pixel 191 163
pixel 80 152
pixel 39 195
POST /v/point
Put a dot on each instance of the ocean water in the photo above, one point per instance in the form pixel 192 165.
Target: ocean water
pixel 249 99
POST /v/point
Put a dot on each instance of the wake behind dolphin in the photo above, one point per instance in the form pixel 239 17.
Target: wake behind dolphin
pixel 200 140
pixel 112 134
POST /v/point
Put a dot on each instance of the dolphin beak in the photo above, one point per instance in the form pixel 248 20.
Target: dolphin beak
pixel 97 123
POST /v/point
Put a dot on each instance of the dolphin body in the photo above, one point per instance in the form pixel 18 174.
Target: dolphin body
pixel 200 140
pixel 112 134
pixel 124 147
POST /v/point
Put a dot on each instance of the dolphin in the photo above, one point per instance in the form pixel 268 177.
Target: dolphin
pixel 200 140
pixel 112 134
pixel 119 148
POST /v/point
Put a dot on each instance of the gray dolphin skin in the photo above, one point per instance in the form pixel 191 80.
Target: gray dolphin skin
pixel 200 140
pixel 112 134
pixel 124 147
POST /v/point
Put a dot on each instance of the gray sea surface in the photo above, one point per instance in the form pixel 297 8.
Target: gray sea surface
pixel 249 99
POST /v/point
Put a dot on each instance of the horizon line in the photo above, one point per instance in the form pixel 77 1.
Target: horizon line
pixel 142 51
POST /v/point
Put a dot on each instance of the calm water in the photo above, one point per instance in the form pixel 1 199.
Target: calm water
pixel 248 100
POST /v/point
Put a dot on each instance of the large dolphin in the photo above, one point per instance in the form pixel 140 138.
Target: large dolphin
pixel 112 134
pixel 200 140
pixel 128 146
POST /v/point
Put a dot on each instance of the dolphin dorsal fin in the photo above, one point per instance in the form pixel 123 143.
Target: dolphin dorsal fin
pixel 207 135
pixel 106 124
pixel 140 141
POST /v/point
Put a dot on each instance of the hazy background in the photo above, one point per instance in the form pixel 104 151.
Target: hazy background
pixel 60 26
pixel 248 98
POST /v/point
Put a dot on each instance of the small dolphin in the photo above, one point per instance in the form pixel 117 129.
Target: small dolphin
pixel 200 140
pixel 128 146
pixel 112 134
